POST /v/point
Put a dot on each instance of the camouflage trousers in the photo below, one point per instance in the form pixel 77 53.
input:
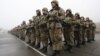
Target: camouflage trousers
pixel 83 35
pixel 33 38
pixel 89 35
pixel 38 38
pixel 28 37
pixel 69 36
pixel 23 34
pixel 56 36
pixel 78 37
pixel 44 37
pixel 93 34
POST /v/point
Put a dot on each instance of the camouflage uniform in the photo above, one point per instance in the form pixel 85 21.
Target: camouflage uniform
pixel 55 28
pixel 23 30
pixel 88 30
pixel 69 29
pixel 43 29
pixel 28 32
pixel 78 30
pixel 83 31
pixel 15 31
pixel 93 31
pixel 92 27
pixel 19 31
pixel 33 36
pixel 37 28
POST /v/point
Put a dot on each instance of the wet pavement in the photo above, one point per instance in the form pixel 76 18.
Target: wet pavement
pixel 90 49
pixel 12 46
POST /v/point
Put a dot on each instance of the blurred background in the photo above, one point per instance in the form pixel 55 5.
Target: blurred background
pixel 13 12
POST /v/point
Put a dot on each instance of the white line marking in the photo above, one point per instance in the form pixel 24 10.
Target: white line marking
pixel 32 48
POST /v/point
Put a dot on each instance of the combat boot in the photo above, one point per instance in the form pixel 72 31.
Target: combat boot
pixel 33 44
pixel 44 49
pixel 29 42
pixel 50 44
pixel 83 43
pixel 93 40
pixel 56 53
pixel 78 45
pixel 69 48
pixel 37 46
pixel 89 41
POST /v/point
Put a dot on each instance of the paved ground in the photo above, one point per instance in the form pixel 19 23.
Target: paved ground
pixel 11 46
pixel 91 49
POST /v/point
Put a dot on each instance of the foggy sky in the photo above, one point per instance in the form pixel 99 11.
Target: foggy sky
pixel 13 12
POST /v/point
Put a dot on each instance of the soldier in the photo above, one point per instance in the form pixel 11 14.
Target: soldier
pixel 23 29
pixel 77 31
pixel 33 37
pixel 93 31
pixel 15 31
pixel 88 30
pixel 37 28
pixel 57 14
pixel 44 30
pixel 28 32
pixel 18 31
pixel 83 30
pixel 69 29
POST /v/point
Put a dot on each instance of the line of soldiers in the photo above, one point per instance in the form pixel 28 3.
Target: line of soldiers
pixel 57 28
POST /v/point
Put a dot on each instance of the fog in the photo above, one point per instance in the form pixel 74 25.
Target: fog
pixel 13 12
